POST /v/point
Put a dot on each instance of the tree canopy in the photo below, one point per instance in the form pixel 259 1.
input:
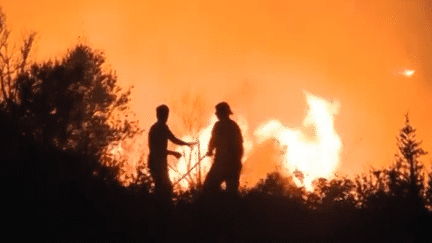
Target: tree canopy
pixel 72 103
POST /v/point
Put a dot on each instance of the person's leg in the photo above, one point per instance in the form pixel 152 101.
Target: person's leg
pixel 233 180
pixel 162 185
pixel 156 179
pixel 163 193
pixel 158 186
pixel 165 187
pixel 155 172
pixel 213 180
pixel 232 185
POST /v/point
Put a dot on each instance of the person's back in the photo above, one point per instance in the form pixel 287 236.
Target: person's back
pixel 228 141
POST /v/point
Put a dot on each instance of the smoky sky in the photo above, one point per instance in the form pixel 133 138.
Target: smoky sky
pixel 259 56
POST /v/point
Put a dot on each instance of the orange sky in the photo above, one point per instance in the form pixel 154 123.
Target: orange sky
pixel 259 56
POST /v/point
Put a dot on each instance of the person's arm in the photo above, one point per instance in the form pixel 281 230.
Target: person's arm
pixel 175 140
pixel 212 143
pixel 176 154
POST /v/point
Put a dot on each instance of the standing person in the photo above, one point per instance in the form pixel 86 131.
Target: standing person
pixel 227 139
pixel 158 141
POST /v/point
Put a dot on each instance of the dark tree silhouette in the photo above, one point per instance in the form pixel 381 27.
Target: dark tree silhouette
pixel 279 185
pixel 72 105
pixel 274 184
pixel 408 167
pixel 428 193
pixel 337 190
pixel 11 65
pixel 69 103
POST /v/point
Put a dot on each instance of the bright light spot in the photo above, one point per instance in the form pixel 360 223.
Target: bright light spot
pixel 408 73
pixel 316 154
pixel 117 150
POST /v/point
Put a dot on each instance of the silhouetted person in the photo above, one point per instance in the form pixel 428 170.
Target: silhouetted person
pixel 227 139
pixel 158 141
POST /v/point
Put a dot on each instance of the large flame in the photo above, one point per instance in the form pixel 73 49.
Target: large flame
pixel 315 155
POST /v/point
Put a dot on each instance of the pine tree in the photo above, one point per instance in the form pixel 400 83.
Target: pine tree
pixel 407 163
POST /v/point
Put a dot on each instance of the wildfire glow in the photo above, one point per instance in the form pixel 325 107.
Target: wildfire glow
pixel 315 155
pixel 190 157
pixel 117 150
pixel 407 72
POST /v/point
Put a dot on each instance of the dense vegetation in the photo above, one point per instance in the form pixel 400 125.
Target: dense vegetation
pixel 60 183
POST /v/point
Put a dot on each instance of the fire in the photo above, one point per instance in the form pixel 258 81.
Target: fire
pixel 127 154
pixel 190 156
pixel 117 150
pixel 313 149
pixel 315 155
pixel 407 72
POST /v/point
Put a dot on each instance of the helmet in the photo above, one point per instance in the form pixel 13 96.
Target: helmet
pixel 223 109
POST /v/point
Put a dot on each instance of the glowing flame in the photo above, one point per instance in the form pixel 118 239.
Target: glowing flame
pixel 315 155
pixel 407 72
pixel 118 153
pixel 191 156
pixel 117 150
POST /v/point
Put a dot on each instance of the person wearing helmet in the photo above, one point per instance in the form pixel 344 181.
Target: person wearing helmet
pixel 227 140
pixel 159 135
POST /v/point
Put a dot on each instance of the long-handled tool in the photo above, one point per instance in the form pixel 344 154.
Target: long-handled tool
pixel 187 173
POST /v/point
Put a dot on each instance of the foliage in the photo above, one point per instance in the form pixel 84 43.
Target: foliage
pixel 277 184
pixel 407 163
pixel 428 191
pixel 11 64
pixel 72 104
pixel 69 103
pixel 141 180
pixel 337 190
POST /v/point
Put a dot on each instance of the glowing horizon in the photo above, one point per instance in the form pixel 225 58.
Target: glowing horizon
pixel 258 56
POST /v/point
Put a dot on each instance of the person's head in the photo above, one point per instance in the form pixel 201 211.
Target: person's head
pixel 162 112
pixel 223 110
